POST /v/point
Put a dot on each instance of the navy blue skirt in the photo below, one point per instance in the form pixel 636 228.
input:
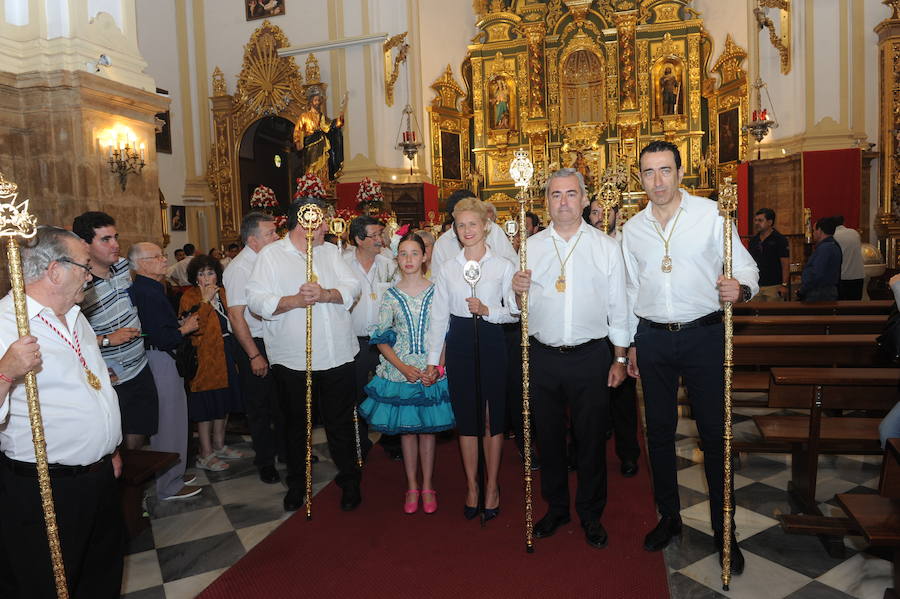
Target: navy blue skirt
pixel 460 361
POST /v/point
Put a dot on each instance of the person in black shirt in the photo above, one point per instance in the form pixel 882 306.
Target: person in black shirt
pixel 770 250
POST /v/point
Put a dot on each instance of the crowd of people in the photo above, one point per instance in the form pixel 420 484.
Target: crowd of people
pixel 119 362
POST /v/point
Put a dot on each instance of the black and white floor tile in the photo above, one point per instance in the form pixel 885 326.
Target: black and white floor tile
pixel 190 543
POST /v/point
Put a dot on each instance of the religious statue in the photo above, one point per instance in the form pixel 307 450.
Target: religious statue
pixel 500 101
pixel 670 88
pixel 704 170
pixel 581 165
pixel 319 140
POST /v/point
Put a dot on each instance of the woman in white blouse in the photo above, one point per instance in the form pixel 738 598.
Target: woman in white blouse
pixel 452 334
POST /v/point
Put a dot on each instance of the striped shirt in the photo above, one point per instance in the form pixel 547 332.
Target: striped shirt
pixel 108 308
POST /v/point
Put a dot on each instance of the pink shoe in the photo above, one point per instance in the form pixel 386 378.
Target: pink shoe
pixel 429 507
pixel 410 507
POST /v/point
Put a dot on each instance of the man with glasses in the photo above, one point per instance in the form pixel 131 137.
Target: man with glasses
pixel 114 319
pixel 82 426
pixel 674 255
pixel 164 333
pixel 260 390
pixel 375 273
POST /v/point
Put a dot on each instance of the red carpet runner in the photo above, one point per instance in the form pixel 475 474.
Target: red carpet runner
pixel 378 551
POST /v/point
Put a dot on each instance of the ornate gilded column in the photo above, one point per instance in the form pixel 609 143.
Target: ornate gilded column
pixel 219 174
pixel 535 34
pixel 625 24
pixel 888 224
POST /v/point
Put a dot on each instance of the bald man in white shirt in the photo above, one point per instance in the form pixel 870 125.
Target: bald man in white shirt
pixel 674 255
pixel 82 428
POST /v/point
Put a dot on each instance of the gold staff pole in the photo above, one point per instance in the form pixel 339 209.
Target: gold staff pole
pixel 310 218
pixel 337 226
pixel 609 199
pixel 521 169
pixel 16 223
pixel 728 204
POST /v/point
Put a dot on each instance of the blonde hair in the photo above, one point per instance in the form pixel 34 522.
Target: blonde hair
pixel 471 205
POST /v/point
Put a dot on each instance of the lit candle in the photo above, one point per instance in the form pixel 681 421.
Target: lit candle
pixel 765 114
pixel 142 151
pixel 755 115
pixel 412 135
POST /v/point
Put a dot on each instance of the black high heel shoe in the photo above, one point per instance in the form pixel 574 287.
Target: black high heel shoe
pixel 470 512
pixel 491 513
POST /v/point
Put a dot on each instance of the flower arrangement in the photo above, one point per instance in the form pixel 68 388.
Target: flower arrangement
pixel 263 198
pixel 281 222
pixel 369 197
pixel 310 186
pixel 346 214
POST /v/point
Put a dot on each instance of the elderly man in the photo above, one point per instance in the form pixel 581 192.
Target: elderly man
pixel 81 424
pixel 164 335
pixel 374 272
pixel 280 293
pixel 674 254
pixel 447 246
pixel 576 285
pixel 114 319
pixel 177 273
pixel 260 390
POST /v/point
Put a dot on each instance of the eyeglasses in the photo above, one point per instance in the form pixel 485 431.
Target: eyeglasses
pixel 87 268
pixel 156 257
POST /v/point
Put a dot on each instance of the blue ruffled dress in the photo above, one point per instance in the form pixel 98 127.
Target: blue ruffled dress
pixel 393 405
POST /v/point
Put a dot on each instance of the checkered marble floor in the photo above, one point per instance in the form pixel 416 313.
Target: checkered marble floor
pixel 191 542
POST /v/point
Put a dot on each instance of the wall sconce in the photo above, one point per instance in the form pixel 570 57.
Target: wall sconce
pixel 124 154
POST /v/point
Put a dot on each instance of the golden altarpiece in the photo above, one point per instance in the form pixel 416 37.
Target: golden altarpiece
pixel 267 86
pixel 586 83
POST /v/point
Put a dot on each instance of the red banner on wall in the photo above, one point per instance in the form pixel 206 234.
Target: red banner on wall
pixel 832 183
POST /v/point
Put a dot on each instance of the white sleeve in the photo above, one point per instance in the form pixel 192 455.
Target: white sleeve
pixel 440 321
pixel 263 293
pixel 632 286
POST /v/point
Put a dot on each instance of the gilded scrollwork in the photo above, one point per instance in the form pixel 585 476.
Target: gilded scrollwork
pixel 392 65
pixel 612 81
pixel 694 73
pixel 218 83
pixel 644 78
pixel 535 35
pixel 625 24
pixel 267 82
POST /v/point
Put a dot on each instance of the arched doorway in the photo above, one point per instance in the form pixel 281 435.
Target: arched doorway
pixel 264 158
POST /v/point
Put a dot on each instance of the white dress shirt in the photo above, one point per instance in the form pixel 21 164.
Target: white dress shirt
pixel 697 251
pixel 177 273
pixel 279 271
pixel 373 284
pixel 494 289
pixel 447 247
pixel 236 278
pixel 81 424
pixel 851 248
pixel 593 304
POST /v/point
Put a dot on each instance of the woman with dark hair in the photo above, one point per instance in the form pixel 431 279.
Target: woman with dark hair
pixel 215 389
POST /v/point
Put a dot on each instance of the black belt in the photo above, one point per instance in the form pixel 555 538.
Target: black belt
pixel 565 349
pixel 30 468
pixel 714 318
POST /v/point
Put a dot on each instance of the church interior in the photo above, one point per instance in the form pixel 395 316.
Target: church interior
pixel 172 116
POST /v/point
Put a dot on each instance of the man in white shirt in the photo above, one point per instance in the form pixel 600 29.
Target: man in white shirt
pixel 177 273
pixel 375 272
pixel 447 246
pixel 279 293
pixel 81 425
pixel 576 299
pixel 258 382
pixel 673 252
pixel 852 268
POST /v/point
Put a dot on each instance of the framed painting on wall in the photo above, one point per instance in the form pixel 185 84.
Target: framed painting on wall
pixel 729 135
pixel 263 9
pixel 177 218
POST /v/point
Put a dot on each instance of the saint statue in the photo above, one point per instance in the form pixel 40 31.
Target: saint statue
pixel 501 104
pixel 670 88
pixel 318 139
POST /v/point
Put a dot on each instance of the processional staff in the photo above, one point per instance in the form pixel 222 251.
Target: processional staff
pixel 15 224
pixel 608 197
pixel 472 274
pixel 310 218
pixel 337 226
pixel 727 204
pixel 521 170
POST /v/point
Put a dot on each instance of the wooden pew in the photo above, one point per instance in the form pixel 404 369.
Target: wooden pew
pixel 843 307
pixel 820 389
pixel 139 466
pixel 809 324
pixel 851 350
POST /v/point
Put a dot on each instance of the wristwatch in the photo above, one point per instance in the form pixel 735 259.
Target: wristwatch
pixel 105 342
pixel 746 294
pixel 622 360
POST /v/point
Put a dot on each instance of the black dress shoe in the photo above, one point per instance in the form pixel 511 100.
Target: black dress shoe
pixel 659 537
pixel 350 498
pixel 269 475
pixel 491 512
pixel 293 500
pixel 470 512
pixel 547 525
pixel 737 558
pixel 595 534
pixel 629 468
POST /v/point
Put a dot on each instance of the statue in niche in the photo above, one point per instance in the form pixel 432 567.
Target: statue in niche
pixel 670 87
pixel 319 140
pixel 500 104
pixel 581 165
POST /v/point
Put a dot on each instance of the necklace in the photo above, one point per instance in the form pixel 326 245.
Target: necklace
pixel 667 260
pixel 92 379
pixel 561 280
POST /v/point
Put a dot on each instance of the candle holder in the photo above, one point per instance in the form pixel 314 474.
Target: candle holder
pixel 126 159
